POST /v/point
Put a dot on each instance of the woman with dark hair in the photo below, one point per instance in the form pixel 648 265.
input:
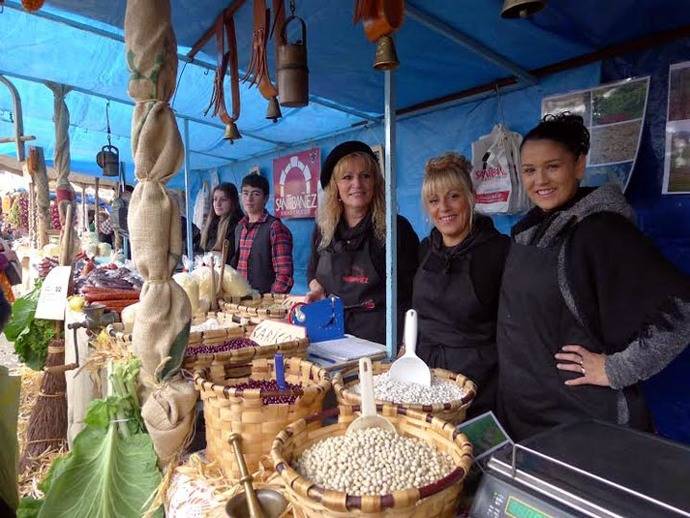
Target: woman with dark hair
pixel 221 221
pixel 589 307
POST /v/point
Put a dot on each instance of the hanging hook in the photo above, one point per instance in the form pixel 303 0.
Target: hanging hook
pixel 107 120
pixel 292 7
pixel 499 104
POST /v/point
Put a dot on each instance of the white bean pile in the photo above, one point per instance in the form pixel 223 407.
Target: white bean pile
pixel 372 462
pixel 388 389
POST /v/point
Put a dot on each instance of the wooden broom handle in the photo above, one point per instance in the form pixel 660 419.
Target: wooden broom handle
pixel 66 244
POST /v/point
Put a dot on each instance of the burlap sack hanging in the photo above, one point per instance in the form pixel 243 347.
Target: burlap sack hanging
pixel 161 328
pixel 62 160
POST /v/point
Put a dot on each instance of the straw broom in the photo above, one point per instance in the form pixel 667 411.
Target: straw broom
pixel 47 430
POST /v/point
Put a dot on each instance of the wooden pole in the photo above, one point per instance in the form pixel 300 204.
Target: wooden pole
pixel 96 218
pixel 84 210
pixel 66 243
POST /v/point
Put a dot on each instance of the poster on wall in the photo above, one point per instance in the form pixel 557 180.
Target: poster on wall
pixel 677 156
pixel 295 180
pixel 614 114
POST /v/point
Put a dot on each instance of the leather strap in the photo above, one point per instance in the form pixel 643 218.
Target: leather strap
pixel 225 32
pixel 257 71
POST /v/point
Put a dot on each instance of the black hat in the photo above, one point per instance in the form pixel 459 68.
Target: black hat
pixel 341 151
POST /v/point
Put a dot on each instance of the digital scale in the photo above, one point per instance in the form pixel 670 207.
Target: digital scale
pixel 587 469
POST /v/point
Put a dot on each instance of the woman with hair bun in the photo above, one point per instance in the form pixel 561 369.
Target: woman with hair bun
pixel 458 280
pixel 589 307
pixel 348 250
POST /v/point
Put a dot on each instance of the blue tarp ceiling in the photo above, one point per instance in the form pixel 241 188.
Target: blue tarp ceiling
pixel 39 47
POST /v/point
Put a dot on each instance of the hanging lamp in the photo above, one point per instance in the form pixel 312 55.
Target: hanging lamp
pixel 108 158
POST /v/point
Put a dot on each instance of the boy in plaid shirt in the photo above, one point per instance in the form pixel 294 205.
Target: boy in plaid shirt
pixel 263 245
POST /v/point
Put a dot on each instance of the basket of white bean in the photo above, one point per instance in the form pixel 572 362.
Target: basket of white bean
pixel 448 397
pixel 416 472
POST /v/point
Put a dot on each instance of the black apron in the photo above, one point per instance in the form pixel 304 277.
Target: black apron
pixel 350 275
pixel 534 323
pixel 456 331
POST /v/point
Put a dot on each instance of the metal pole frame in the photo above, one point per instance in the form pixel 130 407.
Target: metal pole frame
pixel 391 216
pixel 188 220
pixel 18 118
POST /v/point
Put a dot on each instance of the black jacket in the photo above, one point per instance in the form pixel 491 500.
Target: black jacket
pixel 408 246
pixel 456 293
pixel 616 283
pixel 488 250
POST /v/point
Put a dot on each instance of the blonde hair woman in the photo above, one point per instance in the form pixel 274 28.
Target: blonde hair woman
pixel 457 284
pixel 348 249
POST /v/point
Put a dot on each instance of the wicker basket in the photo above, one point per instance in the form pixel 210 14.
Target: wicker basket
pixel 269 306
pixel 228 410
pixel 439 499
pixel 244 356
pixel 453 411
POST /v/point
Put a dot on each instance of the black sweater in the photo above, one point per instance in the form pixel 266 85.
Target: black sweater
pixel 408 246
pixel 624 291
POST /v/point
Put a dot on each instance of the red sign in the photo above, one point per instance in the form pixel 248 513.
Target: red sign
pixel 295 180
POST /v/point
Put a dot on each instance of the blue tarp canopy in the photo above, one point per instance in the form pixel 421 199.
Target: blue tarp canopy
pixel 80 44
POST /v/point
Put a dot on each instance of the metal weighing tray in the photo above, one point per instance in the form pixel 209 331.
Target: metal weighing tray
pixel 587 469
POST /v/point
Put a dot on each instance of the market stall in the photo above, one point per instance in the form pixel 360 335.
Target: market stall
pixel 148 341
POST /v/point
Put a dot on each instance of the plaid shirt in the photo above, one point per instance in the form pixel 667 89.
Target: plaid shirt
pixel 105 226
pixel 281 252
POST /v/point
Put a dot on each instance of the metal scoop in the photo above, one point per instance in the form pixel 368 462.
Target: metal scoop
pixel 368 417
pixel 409 367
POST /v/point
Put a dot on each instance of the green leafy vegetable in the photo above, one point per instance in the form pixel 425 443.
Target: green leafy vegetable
pixel 32 344
pixel 23 310
pixel 30 336
pixel 105 476
pixel 29 507
pixel 111 471
pixel 9 408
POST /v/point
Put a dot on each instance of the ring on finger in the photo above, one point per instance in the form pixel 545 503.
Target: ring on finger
pixel 583 370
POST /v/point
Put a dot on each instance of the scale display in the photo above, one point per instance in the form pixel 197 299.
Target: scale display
pixel 519 509
pixel 497 498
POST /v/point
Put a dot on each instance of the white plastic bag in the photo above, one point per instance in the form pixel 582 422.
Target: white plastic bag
pixel 496 172
pixel 201 205
pixel 190 285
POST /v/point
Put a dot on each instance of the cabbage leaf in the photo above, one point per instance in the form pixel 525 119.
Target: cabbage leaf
pixel 106 475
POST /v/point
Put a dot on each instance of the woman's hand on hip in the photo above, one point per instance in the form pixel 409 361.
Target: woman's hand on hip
pixel 316 292
pixel 575 358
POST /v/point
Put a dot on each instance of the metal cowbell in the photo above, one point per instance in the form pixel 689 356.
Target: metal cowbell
pixel 521 8
pixel 386 57
pixel 273 110
pixel 231 132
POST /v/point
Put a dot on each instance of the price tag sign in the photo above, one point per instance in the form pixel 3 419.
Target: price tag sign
pixel 485 433
pixel 51 301
pixel 271 332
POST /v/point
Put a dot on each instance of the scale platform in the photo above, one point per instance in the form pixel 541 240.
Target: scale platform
pixel 587 469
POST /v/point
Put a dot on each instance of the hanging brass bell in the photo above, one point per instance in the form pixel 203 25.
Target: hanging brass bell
pixel 521 8
pixel 273 111
pixel 386 57
pixel 231 132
